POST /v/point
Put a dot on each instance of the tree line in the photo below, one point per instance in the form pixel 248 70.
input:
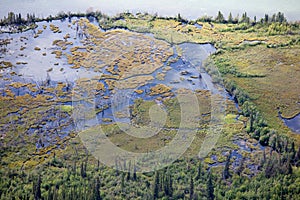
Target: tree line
pixel 277 17
pixel 18 19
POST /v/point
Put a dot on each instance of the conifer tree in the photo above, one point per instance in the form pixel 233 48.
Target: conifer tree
pixel 96 192
pixel 37 188
pixel 156 187
pixel 210 188
pixel 230 18
pixel 191 187
pixel 220 17
pixel 226 173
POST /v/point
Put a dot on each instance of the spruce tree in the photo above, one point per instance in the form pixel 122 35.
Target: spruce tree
pixel 191 187
pixel 226 173
pixel 97 189
pixel 37 188
pixel 199 173
pixel 210 188
pixel 230 18
pixel 156 186
pixel 220 17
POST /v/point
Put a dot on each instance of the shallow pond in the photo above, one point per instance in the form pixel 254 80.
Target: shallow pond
pixel 185 72
pixel 183 69
pixel 293 123
pixel 33 53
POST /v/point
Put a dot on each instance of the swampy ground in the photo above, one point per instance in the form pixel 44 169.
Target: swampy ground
pixel 65 79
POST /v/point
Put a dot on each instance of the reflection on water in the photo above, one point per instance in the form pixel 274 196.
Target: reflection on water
pixel 293 123
pixel 40 64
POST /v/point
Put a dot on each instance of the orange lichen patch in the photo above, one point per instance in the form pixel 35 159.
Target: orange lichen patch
pixel 73 49
pixel 77 57
pixel 54 29
pixel 60 85
pixel 40 31
pixel 59 88
pixel 32 87
pixel 18 85
pixel 107 76
pixel 111 69
pixel 110 83
pixel 58 53
pixel 139 91
pixel 159 89
pixel 70 58
pixel 61 43
pixel 160 76
pixel 57 42
pixel 76 66
pixel 106 120
pixel 69 43
pixel 9 93
pixel 99 86
pixel 67 36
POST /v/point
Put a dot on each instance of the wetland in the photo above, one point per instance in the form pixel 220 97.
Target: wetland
pixel 63 79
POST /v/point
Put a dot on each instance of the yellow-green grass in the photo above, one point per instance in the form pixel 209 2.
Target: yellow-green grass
pixel 224 35
pixel 280 85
